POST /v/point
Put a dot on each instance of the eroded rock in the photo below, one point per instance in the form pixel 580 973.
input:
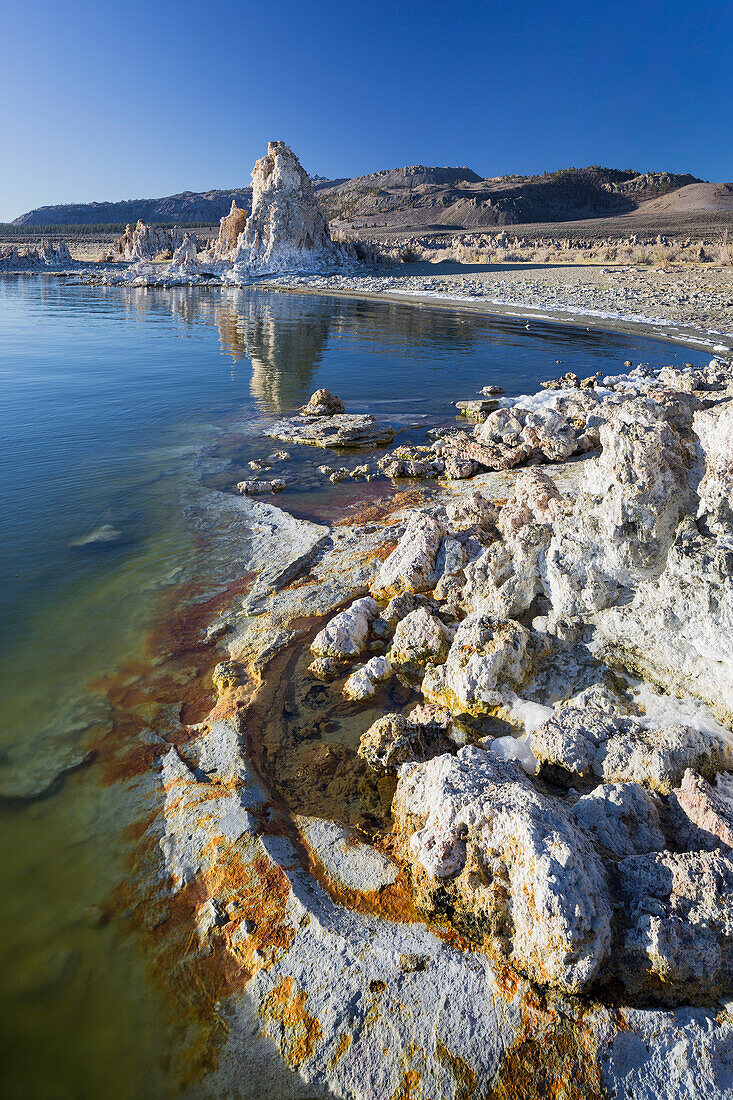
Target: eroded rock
pixel 345 636
pixel 411 565
pixel 588 742
pixel 510 862
pixel 676 911
pixel 486 655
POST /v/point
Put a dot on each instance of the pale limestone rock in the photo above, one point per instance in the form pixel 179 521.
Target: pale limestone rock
pixel 507 577
pixel 550 429
pixel 47 255
pixel 348 863
pixel 411 565
pixel 535 499
pixel 395 739
pixel 624 520
pixel 714 429
pixel 257 488
pixel 676 915
pixel 621 818
pixel 509 861
pixel 587 742
pixel 363 683
pixel 486 656
pixel 703 817
pixel 323 403
pixel 420 640
pixel 145 242
pixel 231 227
pixel 286 230
pixel 458 468
pixel 185 257
pixel 472 512
pixel 678 630
pixel 340 430
pixel 345 636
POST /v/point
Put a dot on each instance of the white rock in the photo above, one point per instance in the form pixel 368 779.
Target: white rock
pixel 346 634
pixel 286 230
pixel 510 860
pixel 622 818
pixel 362 683
pixel 411 565
pixel 485 656
pixel 420 640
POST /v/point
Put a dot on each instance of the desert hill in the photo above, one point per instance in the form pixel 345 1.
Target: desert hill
pixel 420 199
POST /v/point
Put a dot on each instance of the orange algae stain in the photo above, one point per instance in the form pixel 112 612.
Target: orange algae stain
pixel 371 511
pixel 285 1016
pixel 170 690
pixel 554 1057
pixel 464 1077
pixel 339 1050
pixel 409 1088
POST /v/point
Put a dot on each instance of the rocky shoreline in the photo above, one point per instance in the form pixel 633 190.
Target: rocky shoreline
pixel 518 881
pixel 460 819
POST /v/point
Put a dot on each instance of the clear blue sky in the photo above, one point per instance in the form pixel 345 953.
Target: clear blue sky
pixel 127 100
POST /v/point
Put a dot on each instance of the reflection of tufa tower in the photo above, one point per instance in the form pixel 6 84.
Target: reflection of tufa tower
pixel 284 337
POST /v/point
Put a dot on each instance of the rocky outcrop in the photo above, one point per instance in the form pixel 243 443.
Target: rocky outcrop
pixel 147 242
pixel 624 520
pixel 487 656
pixel 396 739
pixel 231 227
pixel 345 635
pixel 586 742
pixel 622 819
pixel 420 640
pixel 703 816
pixel 48 255
pixel 676 912
pixel 323 403
pixel 411 565
pixel 508 861
pixel 286 230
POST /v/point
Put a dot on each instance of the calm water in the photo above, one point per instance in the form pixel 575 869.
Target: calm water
pixel 110 398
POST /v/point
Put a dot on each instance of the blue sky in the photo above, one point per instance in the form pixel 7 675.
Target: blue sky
pixel 126 100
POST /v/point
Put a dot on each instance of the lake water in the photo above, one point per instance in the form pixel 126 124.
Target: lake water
pixel 118 407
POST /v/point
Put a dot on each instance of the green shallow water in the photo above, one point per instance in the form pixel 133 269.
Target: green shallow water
pixel 119 408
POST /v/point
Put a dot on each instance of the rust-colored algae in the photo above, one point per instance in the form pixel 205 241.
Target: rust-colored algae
pixel 299 1032
pixel 339 1050
pixel 463 1076
pixel 409 1088
pixel 554 1058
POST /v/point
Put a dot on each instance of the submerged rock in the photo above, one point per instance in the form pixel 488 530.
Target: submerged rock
pixel 341 430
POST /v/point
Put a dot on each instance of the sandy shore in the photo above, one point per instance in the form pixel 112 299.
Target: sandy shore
pixel 692 306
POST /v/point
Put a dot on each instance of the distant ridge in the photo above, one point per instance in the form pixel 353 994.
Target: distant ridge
pixel 189 206
pixel 416 196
